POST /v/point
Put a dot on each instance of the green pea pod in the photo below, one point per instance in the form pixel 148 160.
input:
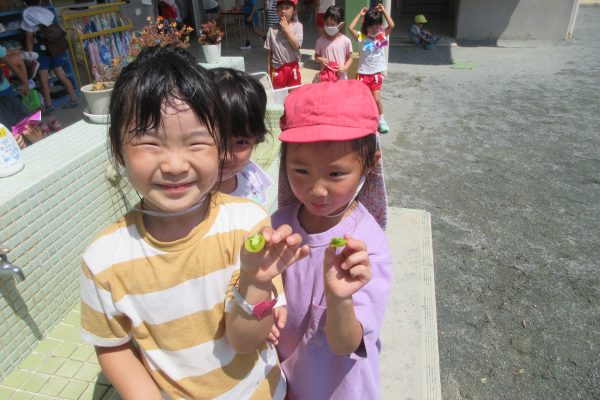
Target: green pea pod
pixel 255 243
pixel 337 242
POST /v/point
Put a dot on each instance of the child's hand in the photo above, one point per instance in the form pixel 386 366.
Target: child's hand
pixel 363 11
pixel 379 7
pixel 280 318
pixel 345 273
pixel 20 142
pixel 281 248
pixel 283 22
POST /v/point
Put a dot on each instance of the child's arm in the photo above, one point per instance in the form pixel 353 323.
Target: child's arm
pixel 344 274
pixel 251 15
pixel 387 17
pixel 282 248
pixel 352 25
pixel 29 41
pixel 269 62
pixel 289 34
pixel 127 373
pixel 347 64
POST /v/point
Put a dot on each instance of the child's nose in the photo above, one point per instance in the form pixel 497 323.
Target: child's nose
pixel 174 164
pixel 318 189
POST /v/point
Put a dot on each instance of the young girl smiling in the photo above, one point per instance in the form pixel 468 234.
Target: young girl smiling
pixel 167 293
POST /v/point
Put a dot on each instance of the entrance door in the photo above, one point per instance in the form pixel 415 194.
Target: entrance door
pixel 439 13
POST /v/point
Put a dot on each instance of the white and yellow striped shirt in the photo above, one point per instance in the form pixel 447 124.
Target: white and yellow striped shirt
pixel 170 298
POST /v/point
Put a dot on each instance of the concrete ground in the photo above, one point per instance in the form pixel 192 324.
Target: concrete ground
pixel 505 157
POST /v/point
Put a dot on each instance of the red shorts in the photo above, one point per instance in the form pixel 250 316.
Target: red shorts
pixel 321 20
pixel 286 75
pixel 373 81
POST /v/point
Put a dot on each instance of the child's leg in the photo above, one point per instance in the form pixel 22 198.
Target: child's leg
pixel 45 87
pixel 383 126
pixel 60 74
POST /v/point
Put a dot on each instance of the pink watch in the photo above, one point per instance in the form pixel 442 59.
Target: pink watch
pixel 260 309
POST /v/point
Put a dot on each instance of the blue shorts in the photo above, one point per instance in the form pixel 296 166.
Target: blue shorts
pixel 48 62
pixel 255 20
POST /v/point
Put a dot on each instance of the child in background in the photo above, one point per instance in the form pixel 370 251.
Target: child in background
pixel 331 186
pixel 283 46
pixel 420 36
pixel 33 17
pixel 272 19
pixel 333 49
pixel 321 8
pixel 252 20
pixel 373 39
pixel 14 61
pixel 245 103
pixel 166 290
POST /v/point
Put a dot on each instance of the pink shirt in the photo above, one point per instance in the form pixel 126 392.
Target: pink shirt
pixel 338 50
pixel 312 370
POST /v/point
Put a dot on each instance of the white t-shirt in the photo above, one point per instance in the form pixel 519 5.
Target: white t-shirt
pixel 372 54
pixel 252 183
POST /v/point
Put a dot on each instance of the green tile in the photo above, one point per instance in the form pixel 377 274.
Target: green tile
pixel 73 390
pixel 82 353
pixel 35 382
pixel 6 392
pixel 33 362
pixel 65 350
pixel 16 378
pixel 51 365
pixel 102 379
pixel 69 368
pixel 53 386
pixel 22 396
pixel 73 319
pixel 88 372
pixel 94 392
pixel 47 346
pixel 75 336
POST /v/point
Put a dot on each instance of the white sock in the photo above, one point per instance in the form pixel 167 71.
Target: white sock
pixel 381 117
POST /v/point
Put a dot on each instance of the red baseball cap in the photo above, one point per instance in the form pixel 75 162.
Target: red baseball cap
pixel 294 2
pixel 329 111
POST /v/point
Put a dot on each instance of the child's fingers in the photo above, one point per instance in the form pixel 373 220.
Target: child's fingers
pixel 272 338
pixel 358 258
pixel 361 273
pixel 280 314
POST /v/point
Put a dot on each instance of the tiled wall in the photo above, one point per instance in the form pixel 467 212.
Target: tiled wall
pixel 48 214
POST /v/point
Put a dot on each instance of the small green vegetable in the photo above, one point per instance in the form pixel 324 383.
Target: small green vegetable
pixel 337 242
pixel 255 243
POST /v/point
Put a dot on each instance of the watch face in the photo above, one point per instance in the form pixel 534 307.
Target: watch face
pixel 263 308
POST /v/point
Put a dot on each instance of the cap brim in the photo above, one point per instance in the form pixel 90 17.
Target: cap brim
pixel 324 133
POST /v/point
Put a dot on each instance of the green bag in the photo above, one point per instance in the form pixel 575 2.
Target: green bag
pixel 33 101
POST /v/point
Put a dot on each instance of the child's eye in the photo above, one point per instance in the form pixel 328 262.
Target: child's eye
pixel 300 171
pixel 242 142
pixel 336 174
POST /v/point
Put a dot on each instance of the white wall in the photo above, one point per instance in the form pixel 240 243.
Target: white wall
pixel 514 19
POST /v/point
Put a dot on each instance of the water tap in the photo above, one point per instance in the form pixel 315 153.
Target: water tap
pixel 6 267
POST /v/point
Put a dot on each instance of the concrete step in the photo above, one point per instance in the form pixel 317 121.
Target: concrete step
pixel 409 358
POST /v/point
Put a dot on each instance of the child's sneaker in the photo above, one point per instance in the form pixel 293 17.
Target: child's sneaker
pixel 383 126
pixel 72 104
pixel 29 55
pixel 246 47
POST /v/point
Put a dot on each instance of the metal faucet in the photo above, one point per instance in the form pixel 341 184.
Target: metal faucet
pixel 6 267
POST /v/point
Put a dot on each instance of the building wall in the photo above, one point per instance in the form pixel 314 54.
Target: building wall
pixel 514 19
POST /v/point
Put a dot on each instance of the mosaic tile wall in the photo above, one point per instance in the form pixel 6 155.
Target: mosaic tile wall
pixel 48 214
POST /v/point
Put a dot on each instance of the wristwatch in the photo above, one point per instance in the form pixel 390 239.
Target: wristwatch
pixel 260 309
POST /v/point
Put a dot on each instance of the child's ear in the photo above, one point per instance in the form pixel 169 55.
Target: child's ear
pixel 377 157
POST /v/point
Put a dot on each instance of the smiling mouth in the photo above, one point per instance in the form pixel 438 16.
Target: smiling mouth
pixel 179 187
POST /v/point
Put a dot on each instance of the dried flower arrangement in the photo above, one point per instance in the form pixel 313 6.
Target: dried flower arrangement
pixel 156 32
pixel 211 33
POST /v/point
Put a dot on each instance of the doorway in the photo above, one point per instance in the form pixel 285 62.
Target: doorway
pixel 440 14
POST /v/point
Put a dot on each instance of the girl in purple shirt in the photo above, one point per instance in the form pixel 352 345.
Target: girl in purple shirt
pixel 331 186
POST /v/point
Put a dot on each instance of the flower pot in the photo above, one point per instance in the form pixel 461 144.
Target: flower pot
pixel 97 100
pixel 212 52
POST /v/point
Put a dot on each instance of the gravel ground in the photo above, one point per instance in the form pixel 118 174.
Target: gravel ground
pixel 506 157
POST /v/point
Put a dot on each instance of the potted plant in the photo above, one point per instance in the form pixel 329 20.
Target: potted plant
pixel 156 32
pixel 210 39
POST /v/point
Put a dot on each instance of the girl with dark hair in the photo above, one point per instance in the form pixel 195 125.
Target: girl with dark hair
pixel 245 102
pixel 173 304
pixel 373 38
pixel 333 49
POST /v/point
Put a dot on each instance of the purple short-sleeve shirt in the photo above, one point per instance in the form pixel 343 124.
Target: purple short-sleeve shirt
pixel 312 370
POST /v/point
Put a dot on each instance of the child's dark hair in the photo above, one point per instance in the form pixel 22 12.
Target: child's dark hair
pixel 244 103
pixel 372 18
pixel 365 147
pixel 158 76
pixel 335 13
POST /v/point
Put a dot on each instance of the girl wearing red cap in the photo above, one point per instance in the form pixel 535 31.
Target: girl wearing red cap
pixel 372 39
pixel 331 192
pixel 283 46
